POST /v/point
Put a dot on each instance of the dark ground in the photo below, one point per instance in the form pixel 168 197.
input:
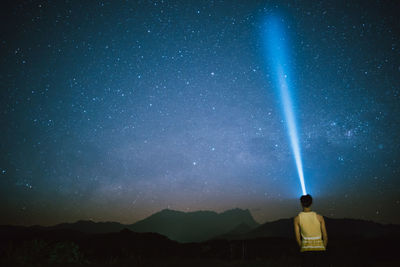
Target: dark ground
pixel 28 247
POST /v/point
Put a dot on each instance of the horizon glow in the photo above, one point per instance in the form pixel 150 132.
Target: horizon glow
pixel 275 45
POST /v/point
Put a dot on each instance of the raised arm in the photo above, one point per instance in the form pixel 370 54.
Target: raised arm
pixel 297 230
pixel 323 230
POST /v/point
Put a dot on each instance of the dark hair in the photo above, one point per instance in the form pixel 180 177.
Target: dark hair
pixel 306 200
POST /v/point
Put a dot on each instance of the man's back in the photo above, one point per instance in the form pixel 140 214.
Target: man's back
pixel 310 231
pixel 309 225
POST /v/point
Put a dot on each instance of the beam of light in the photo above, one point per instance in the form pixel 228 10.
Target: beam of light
pixel 275 45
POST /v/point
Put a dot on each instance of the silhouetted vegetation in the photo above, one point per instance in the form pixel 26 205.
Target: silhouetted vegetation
pixel 351 243
pixel 128 248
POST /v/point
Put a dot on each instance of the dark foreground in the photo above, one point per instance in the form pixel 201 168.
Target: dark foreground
pixel 23 247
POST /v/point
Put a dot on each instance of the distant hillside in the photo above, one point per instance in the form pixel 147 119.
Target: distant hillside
pixel 198 226
pixel 238 231
pixel 89 227
pixel 179 226
pixel 337 228
pixel 279 228
pixel 366 229
pixel 194 226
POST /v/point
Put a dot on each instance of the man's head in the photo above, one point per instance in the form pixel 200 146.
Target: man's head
pixel 306 201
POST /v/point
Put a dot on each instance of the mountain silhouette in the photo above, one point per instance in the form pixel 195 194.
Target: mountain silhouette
pixel 238 231
pixel 337 228
pixel 194 226
pixel 179 226
pixel 227 236
pixel 198 226
pixel 89 227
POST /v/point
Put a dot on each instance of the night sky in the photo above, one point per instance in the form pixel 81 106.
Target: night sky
pixel 114 110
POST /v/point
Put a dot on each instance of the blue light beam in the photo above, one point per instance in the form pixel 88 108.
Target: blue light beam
pixel 275 45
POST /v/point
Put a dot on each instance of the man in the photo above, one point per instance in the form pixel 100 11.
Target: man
pixel 311 235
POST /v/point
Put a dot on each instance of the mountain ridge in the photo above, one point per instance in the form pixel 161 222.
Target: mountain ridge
pixel 199 226
pixel 193 226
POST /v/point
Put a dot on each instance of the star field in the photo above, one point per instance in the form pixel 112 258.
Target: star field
pixel 113 110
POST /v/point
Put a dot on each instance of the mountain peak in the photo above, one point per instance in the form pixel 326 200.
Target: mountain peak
pixel 85 222
pixel 169 211
pixel 195 225
pixel 236 210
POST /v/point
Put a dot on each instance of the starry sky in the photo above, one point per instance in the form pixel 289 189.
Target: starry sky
pixel 114 110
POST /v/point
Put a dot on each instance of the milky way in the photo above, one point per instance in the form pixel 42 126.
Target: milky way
pixel 114 110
